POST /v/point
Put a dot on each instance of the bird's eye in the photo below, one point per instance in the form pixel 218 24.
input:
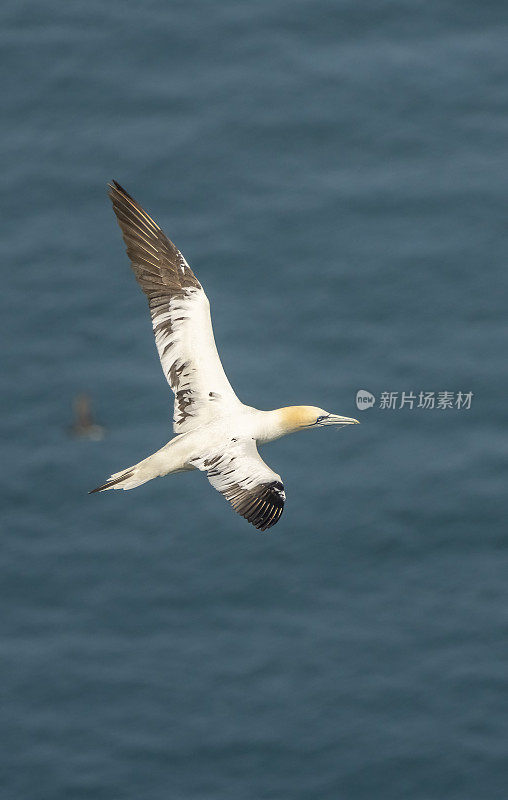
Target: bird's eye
pixel 320 419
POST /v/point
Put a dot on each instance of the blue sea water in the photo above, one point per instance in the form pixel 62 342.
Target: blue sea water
pixel 335 173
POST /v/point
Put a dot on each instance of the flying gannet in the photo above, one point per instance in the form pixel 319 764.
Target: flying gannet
pixel 215 432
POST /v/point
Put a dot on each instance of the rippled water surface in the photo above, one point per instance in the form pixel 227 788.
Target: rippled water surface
pixel 335 172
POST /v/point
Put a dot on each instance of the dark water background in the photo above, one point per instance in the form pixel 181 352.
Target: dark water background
pixel 335 172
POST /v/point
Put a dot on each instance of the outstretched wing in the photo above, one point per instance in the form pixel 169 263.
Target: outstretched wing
pixel 180 314
pixel 254 490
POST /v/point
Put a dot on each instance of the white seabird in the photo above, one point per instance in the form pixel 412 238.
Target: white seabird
pixel 215 432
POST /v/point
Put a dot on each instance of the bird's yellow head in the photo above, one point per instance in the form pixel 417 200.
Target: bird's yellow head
pixel 298 418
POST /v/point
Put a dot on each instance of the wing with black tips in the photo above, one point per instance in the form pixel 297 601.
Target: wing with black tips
pixel 180 314
pixel 254 490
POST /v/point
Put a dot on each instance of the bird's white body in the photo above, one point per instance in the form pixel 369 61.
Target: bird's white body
pixel 185 450
pixel 215 431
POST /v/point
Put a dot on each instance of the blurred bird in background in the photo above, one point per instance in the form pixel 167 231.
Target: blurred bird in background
pixel 84 426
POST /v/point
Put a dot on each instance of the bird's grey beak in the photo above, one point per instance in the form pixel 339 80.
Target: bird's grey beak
pixel 335 419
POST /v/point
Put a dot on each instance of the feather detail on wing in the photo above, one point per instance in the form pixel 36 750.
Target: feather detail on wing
pixel 180 314
pixel 254 490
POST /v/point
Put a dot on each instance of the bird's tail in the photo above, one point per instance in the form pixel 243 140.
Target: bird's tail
pixel 132 476
pixel 168 459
